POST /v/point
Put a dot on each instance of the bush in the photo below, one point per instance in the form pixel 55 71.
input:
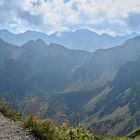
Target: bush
pixel 11 114
pixel 48 129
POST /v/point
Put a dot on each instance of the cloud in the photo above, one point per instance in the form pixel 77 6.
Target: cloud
pixel 31 18
pixel 111 16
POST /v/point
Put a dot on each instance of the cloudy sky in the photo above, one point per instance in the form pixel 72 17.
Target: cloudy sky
pixel 49 16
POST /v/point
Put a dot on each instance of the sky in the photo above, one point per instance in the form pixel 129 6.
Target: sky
pixel 102 16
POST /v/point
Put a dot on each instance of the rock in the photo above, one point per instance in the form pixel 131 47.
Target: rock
pixel 10 130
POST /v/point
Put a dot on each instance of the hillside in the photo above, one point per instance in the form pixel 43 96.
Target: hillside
pixel 120 106
pixel 36 68
pixel 81 39
pixel 105 63
pixel 45 129
pixel 112 109
pixel 98 85
pixel 107 109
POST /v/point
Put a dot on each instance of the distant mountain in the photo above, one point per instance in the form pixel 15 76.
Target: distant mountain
pixel 103 87
pixel 87 40
pixel 103 64
pixel 107 90
pixel 80 39
pixel 22 38
pixel 36 68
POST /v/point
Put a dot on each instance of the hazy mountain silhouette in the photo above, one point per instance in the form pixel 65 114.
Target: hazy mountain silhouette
pixel 82 39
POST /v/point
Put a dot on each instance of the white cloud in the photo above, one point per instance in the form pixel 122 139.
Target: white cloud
pixel 55 15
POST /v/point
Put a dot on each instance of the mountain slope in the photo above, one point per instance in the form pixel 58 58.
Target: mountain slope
pixel 80 39
pixel 120 106
pixel 103 65
pixel 113 109
pixel 106 108
pixel 99 86
pixel 36 68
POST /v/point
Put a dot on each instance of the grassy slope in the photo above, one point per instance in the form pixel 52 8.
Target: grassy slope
pixel 47 129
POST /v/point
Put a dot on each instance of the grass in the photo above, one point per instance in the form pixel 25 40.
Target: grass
pixel 49 130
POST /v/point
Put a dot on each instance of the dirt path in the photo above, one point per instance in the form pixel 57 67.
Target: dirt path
pixel 11 131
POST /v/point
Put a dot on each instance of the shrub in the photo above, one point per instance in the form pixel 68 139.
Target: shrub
pixel 11 114
pixel 47 129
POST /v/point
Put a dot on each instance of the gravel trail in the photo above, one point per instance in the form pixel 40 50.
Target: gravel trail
pixel 12 131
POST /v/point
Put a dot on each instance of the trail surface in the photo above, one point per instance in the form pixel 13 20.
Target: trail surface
pixel 12 131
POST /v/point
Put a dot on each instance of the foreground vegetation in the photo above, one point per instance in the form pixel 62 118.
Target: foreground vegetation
pixel 49 130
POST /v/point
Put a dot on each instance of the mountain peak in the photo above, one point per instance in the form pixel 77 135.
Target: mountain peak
pixel 30 31
pixel 41 42
pixel 55 45
pixel 85 31
pixel 105 35
pixel 34 34
pixel 38 42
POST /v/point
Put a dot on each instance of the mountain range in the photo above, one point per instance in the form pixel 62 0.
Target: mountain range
pixel 82 39
pixel 37 67
pixel 111 108
pixel 102 86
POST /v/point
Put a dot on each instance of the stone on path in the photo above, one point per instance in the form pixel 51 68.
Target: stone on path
pixel 12 131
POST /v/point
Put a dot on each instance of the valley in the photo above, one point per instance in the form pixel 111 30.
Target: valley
pixel 98 86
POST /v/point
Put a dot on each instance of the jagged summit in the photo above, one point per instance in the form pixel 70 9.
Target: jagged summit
pixel 81 39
